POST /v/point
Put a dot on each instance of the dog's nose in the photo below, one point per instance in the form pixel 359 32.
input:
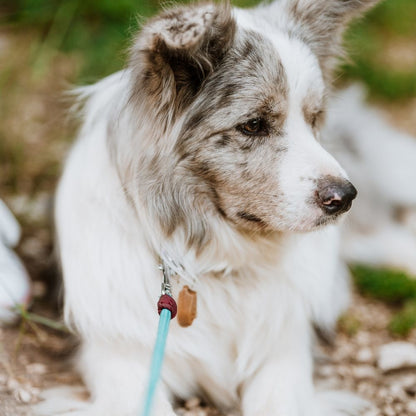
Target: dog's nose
pixel 335 197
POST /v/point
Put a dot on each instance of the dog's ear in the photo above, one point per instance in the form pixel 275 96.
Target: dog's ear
pixel 176 51
pixel 321 24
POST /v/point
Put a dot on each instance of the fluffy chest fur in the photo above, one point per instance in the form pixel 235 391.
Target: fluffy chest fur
pixel 248 302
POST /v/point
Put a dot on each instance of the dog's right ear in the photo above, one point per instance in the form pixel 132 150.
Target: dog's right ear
pixel 319 23
pixel 176 51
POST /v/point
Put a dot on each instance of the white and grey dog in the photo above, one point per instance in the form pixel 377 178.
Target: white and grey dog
pixel 205 152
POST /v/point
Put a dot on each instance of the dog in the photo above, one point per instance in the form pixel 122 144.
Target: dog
pixel 205 155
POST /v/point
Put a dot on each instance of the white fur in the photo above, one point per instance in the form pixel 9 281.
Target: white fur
pixel 250 346
pixel 9 227
pixel 252 325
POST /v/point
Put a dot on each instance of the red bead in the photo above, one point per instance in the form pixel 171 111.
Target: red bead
pixel 167 302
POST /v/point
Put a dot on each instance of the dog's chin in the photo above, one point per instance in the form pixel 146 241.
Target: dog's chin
pixel 325 220
pixel 315 224
pixel 301 226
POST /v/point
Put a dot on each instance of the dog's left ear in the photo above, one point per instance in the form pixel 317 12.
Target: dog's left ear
pixel 320 24
pixel 176 51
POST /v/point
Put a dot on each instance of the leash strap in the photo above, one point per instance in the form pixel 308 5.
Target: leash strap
pixel 167 309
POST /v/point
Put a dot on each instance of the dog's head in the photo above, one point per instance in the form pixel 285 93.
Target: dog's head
pixel 234 102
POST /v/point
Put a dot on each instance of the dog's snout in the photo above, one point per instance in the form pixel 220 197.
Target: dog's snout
pixel 335 196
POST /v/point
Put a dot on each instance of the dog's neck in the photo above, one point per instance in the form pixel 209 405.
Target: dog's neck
pixel 227 252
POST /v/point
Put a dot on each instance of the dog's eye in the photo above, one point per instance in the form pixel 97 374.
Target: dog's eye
pixel 254 127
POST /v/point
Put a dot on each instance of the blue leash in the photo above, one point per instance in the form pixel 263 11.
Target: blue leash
pixel 167 310
pixel 157 360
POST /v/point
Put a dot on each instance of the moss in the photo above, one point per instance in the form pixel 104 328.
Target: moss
pixel 405 320
pixel 392 287
pixel 387 285
pixel 349 324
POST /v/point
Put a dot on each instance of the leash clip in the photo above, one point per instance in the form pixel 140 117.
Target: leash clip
pixel 167 274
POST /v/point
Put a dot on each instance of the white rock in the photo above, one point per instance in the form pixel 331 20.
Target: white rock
pixel 23 396
pixel 372 412
pixel 365 355
pixel 389 411
pixel 363 338
pixel 36 368
pixel 408 380
pixel 397 392
pixel 326 370
pixel 12 384
pixel 396 355
pixel 364 371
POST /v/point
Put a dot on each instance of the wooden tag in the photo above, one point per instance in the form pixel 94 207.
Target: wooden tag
pixel 186 306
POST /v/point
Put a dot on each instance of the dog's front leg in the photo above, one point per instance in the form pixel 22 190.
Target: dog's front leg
pixel 283 385
pixel 281 388
pixel 116 374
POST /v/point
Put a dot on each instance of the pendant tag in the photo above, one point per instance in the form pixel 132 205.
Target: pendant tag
pixel 186 306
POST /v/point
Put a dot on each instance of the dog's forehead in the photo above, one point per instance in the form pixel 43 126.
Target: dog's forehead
pixel 254 64
pixel 300 66
pixel 264 72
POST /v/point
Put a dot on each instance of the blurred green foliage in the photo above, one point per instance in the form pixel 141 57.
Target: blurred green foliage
pixel 388 285
pixel 390 26
pixel 405 320
pixel 100 30
pixel 393 287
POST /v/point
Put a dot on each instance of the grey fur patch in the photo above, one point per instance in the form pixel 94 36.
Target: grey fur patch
pixel 239 90
pixel 314 111
pixel 318 23
pixel 175 52
pixel 250 83
pixel 225 140
pixel 249 217
pixel 209 173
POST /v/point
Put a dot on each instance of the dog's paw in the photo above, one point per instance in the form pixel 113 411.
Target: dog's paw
pixel 340 403
pixel 62 401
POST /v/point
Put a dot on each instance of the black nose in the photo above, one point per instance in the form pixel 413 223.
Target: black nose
pixel 335 196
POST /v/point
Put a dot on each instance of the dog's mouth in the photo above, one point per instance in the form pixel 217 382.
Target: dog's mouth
pixel 326 220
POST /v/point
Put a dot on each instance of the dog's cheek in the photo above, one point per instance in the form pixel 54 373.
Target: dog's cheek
pixel 297 183
pixel 246 186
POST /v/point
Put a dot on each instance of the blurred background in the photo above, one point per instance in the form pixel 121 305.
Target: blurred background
pixel 48 46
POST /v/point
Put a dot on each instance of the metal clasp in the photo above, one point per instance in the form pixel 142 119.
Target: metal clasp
pixel 167 274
